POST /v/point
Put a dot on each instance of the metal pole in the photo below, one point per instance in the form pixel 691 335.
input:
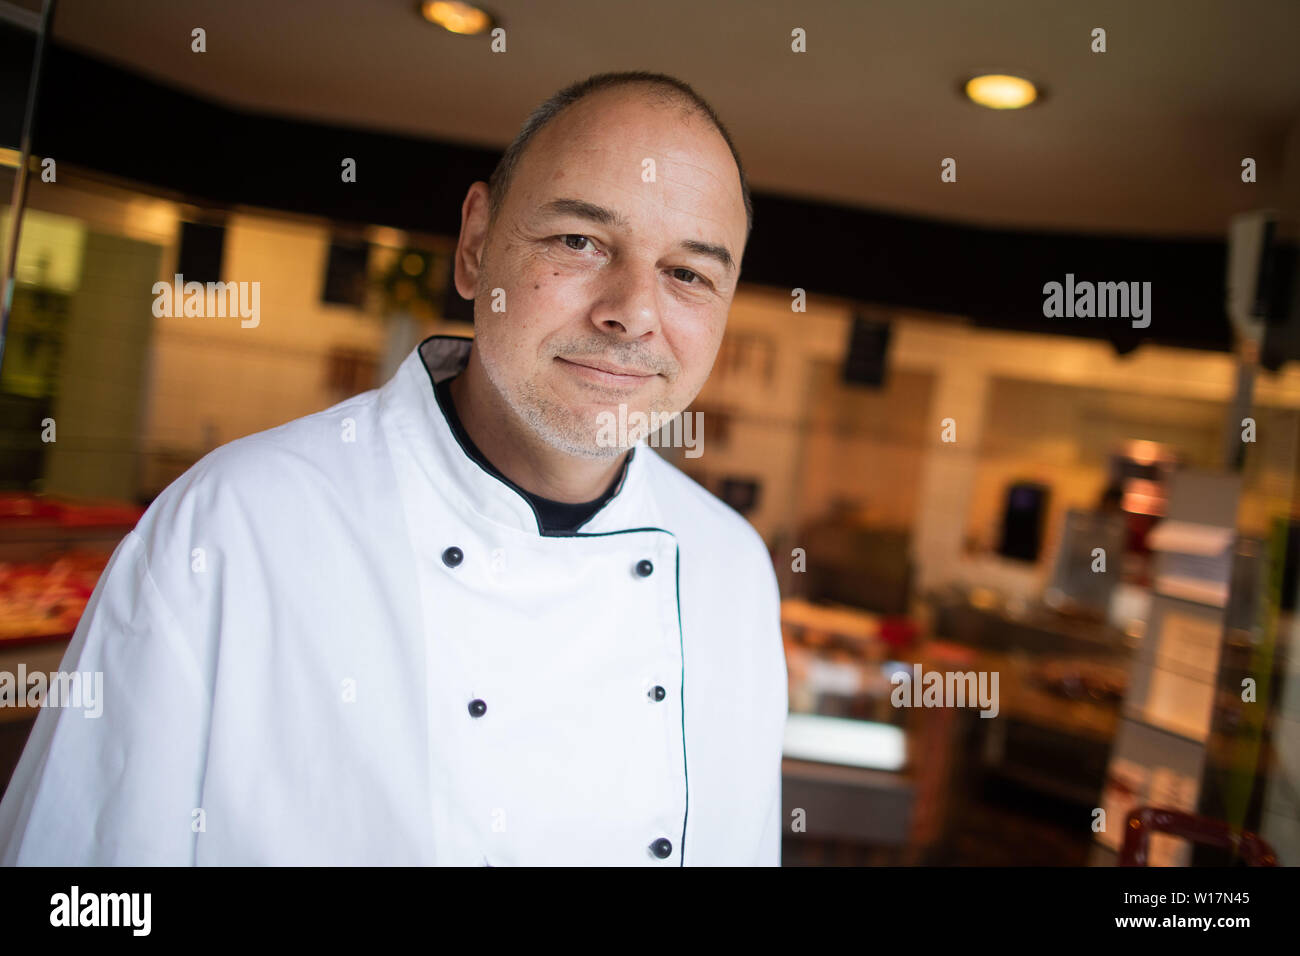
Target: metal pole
pixel 1234 449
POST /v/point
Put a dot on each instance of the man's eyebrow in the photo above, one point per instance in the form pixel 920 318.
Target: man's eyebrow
pixel 710 249
pixel 609 217
pixel 584 210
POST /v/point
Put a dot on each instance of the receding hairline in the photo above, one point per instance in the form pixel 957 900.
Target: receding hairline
pixel 661 87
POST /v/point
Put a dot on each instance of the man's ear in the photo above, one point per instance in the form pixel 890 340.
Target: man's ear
pixel 473 235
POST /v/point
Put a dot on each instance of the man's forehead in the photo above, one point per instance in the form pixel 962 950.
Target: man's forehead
pixel 610 123
pixel 619 164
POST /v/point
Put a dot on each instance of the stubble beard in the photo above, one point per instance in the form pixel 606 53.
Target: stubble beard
pixel 560 426
pixel 556 424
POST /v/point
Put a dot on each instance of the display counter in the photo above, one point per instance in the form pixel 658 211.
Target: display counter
pixel 863 780
pixel 52 552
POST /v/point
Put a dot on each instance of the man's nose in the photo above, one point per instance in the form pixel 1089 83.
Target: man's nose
pixel 628 304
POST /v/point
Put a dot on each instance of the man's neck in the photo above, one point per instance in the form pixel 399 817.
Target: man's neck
pixel 519 454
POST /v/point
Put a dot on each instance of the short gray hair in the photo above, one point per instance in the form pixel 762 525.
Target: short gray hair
pixel 669 88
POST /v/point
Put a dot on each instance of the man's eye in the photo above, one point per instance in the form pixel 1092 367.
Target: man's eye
pixel 576 243
pixel 685 275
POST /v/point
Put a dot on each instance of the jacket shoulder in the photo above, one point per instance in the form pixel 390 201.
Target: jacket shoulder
pixel 693 510
pixel 275 472
pixel 317 438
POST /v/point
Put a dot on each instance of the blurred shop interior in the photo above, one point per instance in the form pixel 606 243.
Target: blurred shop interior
pixel 1103 514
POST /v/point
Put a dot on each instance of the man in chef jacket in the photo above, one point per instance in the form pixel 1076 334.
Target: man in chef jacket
pixel 445 622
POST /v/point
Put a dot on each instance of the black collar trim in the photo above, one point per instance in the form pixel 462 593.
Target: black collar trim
pixel 447 415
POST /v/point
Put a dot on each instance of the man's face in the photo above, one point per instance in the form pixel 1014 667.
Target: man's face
pixel 610 251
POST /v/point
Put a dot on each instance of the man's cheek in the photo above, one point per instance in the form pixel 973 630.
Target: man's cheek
pixel 526 305
pixel 554 301
pixel 694 341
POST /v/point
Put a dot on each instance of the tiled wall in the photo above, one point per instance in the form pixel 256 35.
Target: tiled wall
pixel 215 380
pixel 1032 407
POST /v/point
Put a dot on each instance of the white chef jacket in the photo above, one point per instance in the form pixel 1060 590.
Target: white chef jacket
pixel 342 641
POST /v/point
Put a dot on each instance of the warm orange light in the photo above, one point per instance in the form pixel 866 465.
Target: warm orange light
pixel 1143 452
pixel 998 91
pixel 455 17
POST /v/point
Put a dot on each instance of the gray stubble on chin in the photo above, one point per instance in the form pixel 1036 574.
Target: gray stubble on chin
pixel 558 426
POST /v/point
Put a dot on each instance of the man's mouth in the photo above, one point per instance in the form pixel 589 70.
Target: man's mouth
pixel 606 373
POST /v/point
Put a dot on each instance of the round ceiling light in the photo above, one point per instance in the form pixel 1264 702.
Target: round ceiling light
pixel 1000 91
pixel 455 17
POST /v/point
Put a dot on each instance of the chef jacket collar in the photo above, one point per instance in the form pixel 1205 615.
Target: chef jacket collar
pixel 411 397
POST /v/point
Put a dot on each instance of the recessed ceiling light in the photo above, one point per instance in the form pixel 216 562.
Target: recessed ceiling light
pixel 456 17
pixel 999 91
